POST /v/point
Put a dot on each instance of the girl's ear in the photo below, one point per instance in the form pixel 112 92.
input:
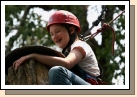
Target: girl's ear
pixel 72 29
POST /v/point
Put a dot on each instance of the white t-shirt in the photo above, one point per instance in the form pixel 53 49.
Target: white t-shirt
pixel 89 64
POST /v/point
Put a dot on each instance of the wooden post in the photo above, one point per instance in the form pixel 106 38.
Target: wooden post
pixel 30 72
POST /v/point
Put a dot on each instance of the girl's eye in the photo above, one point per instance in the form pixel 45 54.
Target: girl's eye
pixel 55 32
pixel 58 31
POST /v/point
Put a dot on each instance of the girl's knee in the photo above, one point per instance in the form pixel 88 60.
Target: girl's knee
pixel 55 70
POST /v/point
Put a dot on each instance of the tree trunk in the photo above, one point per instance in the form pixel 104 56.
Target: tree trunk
pixel 29 73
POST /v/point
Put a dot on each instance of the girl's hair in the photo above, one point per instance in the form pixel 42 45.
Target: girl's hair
pixel 72 37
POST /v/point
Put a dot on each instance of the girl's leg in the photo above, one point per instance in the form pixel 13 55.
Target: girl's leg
pixel 59 75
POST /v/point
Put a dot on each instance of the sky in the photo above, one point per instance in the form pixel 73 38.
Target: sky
pixel 90 18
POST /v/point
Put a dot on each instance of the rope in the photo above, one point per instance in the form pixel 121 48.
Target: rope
pixel 103 28
pixel 116 17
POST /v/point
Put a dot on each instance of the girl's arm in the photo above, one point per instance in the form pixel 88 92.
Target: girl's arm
pixel 74 57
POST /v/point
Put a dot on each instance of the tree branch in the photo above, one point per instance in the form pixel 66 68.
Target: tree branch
pixel 11 41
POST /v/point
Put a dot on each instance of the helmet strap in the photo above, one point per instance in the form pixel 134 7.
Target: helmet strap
pixel 72 37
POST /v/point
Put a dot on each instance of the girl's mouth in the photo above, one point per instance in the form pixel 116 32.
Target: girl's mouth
pixel 58 40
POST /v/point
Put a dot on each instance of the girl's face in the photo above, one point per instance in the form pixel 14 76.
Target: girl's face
pixel 59 35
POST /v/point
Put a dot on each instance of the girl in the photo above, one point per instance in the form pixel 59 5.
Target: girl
pixel 80 62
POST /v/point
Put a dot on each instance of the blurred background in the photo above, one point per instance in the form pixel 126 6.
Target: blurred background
pixel 25 25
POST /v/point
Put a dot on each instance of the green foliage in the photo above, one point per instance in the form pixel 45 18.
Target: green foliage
pixel 12 12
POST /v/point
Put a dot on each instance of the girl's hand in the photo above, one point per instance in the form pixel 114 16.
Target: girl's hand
pixel 18 62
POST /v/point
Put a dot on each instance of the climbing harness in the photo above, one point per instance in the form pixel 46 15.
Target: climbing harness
pixel 104 27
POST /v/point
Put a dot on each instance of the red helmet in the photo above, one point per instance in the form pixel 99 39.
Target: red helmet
pixel 63 16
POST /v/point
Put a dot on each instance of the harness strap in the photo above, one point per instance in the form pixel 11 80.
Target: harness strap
pixel 91 79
